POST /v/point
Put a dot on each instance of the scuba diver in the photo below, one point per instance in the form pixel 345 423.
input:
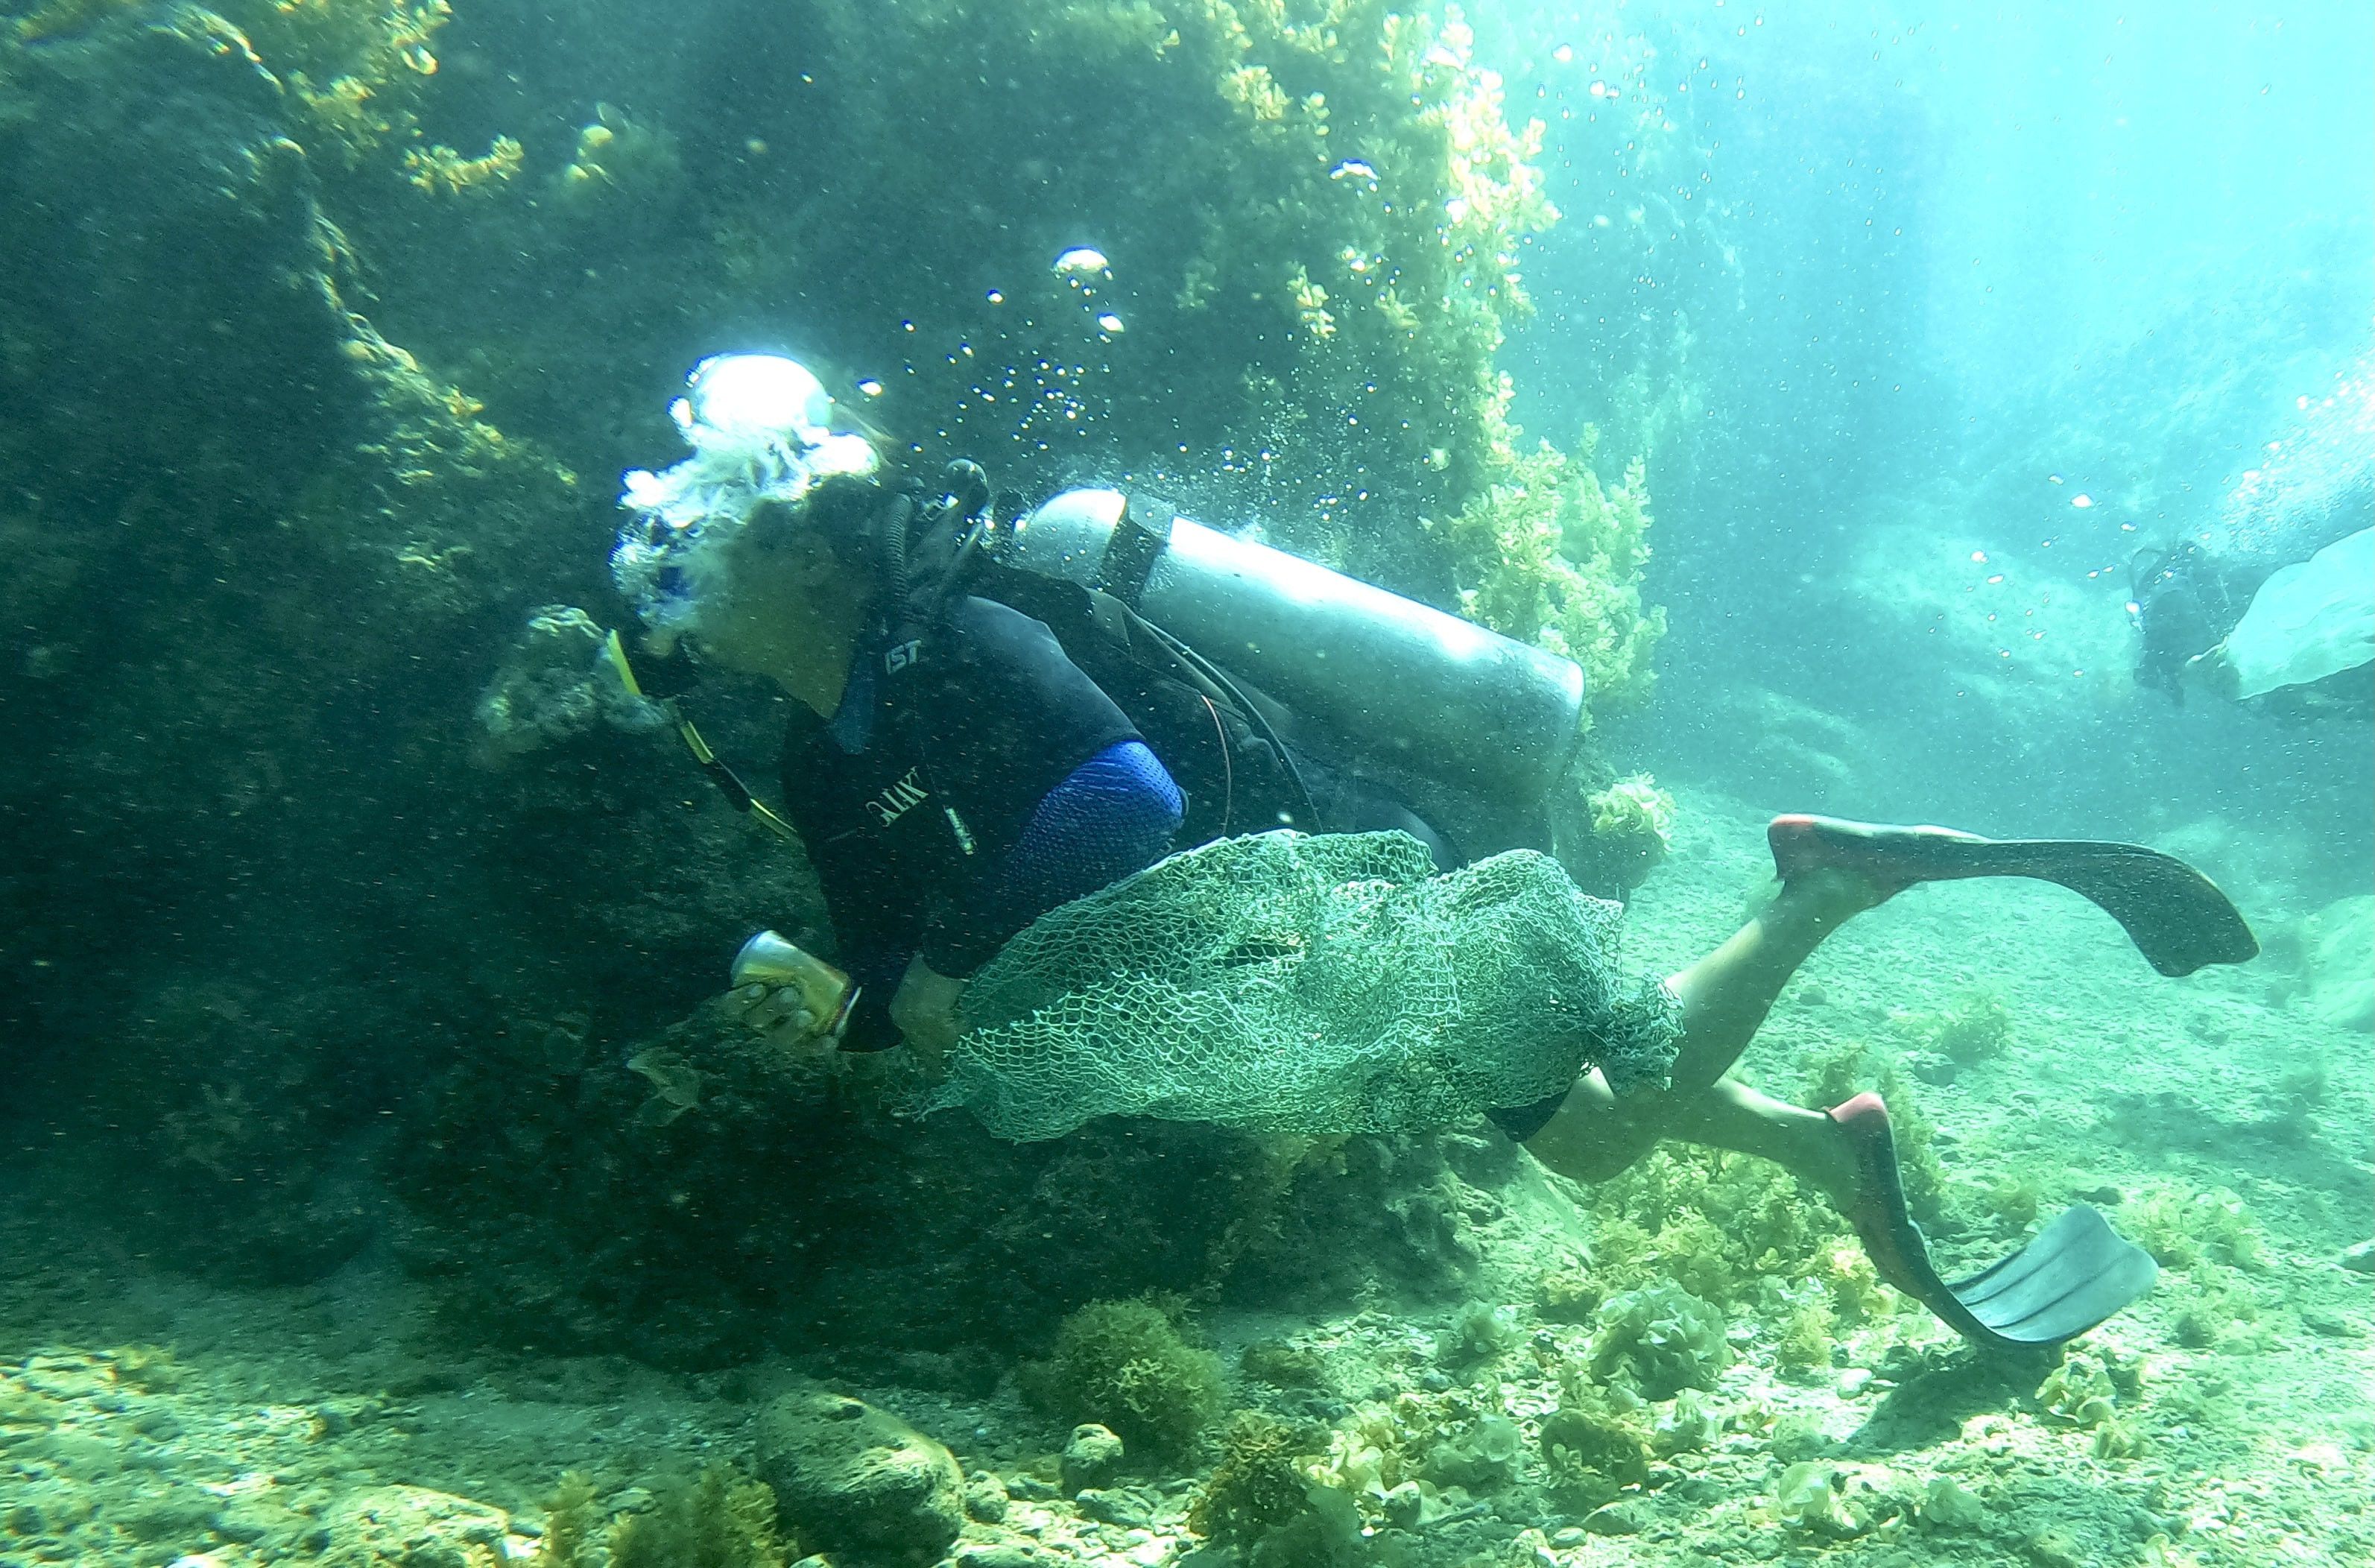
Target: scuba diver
pixel 2273 604
pixel 992 720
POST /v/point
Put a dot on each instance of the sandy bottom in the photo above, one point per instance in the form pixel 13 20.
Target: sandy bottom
pixel 149 1419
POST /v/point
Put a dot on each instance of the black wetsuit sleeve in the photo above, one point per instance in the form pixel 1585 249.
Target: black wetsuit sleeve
pixel 911 833
pixel 1013 719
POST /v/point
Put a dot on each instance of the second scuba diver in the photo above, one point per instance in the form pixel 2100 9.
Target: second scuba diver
pixel 953 773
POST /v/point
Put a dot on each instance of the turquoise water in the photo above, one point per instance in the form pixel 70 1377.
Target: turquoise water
pixel 1931 396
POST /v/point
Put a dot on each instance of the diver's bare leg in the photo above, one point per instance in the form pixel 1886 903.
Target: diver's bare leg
pixel 1724 997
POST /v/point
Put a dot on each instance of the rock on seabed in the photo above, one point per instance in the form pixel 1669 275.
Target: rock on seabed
pixel 858 1483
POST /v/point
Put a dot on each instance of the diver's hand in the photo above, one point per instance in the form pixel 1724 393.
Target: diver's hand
pixel 924 1009
pixel 779 1015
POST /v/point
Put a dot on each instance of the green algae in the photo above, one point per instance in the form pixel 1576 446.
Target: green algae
pixel 1546 555
pixel 719 1519
pixel 1661 1339
pixel 1976 1029
pixel 1837 1074
pixel 572 1519
pixel 1717 1226
pixel 1590 1449
pixel 1568 1294
pixel 1806 1343
pixel 2184 1227
pixel 1261 1480
pixel 1123 1365
pixel 1478 1336
pixel 1632 828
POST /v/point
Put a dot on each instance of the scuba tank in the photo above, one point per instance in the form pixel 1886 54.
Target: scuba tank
pixel 1474 729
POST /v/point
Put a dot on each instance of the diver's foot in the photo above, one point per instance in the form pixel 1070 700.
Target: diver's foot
pixel 1873 1196
pixel 1880 859
pixel 1829 1156
pixel 2175 916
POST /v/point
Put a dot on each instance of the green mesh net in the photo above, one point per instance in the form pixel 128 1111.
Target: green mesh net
pixel 1287 983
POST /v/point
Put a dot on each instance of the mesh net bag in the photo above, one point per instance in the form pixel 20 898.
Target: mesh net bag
pixel 1287 983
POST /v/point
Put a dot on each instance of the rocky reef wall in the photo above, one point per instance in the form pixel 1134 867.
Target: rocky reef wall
pixel 327 327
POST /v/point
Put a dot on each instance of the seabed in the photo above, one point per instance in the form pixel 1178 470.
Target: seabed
pixel 147 1419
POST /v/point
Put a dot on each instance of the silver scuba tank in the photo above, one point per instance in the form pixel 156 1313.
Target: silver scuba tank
pixel 1419 699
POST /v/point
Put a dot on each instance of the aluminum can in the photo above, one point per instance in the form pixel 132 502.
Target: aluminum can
pixel 769 959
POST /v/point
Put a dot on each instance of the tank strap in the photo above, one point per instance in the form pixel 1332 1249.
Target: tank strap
pixel 728 782
pixel 930 554
pixel 1130 556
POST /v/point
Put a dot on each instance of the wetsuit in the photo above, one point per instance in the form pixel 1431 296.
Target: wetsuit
pixel 948 803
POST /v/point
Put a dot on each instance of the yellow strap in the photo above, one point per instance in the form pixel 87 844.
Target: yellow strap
pixel 766 814
pixel 693 741
pixel 617 650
